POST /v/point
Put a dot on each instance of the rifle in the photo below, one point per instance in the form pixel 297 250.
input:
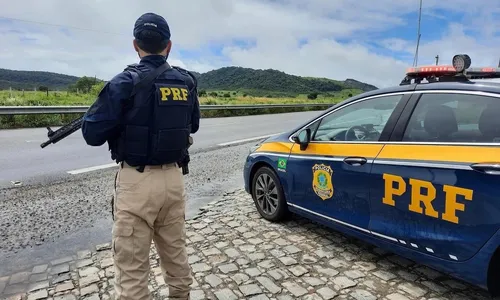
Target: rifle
pixel 61 133
pixel 76 124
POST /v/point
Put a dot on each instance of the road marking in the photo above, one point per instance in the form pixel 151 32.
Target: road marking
pixel 90 169
pixel 248 139
pixel 106 166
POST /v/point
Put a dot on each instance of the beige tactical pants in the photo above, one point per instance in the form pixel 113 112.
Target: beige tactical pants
pixel 150 206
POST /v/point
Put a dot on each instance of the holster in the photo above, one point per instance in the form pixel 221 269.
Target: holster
pixel 185 161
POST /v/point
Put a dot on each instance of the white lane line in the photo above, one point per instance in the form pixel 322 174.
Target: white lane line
pixel 90 169
pixel 106 166
pixel 248 139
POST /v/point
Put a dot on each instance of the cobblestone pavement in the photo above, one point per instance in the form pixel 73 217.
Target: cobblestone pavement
pixel 235 254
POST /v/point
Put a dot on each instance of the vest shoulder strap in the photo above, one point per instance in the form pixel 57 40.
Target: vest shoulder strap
pixel 137 72
pixel 190 74
pixel 142 77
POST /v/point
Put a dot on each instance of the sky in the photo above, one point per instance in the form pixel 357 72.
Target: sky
pixel 370 41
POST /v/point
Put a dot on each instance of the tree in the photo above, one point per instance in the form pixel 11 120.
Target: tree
pixel 85 84
pixel 202 93
pixel 44 89
pixel 312 96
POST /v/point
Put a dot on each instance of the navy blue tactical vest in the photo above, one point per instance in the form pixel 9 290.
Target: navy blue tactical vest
pixel 156 124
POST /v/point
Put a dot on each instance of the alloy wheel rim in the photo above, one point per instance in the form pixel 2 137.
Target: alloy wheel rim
pixel 266 194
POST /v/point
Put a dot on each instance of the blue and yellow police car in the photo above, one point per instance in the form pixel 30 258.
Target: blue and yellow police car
pixel 414 169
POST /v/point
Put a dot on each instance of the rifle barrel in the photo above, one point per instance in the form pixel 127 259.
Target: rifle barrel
pixel 63 132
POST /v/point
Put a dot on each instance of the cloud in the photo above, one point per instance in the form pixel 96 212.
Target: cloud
pixel 324 38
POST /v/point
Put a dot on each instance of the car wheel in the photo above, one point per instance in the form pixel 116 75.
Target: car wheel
pixel 268 195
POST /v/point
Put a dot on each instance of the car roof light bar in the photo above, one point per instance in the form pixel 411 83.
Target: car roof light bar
pixel 459 71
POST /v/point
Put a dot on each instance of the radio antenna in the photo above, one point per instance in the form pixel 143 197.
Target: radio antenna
pixel 415 60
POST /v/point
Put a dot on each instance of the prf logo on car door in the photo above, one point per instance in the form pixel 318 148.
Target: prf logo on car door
pixel 423 193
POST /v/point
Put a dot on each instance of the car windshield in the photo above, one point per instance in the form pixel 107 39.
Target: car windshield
pixel 372 115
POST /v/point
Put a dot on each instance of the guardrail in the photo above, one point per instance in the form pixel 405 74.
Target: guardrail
pixel 38 110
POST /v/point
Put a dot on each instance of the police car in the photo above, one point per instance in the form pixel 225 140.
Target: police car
pixel 413 168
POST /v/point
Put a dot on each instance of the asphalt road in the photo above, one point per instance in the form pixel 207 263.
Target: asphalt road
pixel 23 160
pixel 53 212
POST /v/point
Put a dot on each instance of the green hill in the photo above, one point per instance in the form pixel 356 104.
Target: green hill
pixel 29 80
pixel 244 80
pixel 254 81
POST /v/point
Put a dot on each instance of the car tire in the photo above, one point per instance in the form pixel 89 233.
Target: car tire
pixel 262 200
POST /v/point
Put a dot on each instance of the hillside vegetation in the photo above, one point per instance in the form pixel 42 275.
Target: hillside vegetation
pixel 259 83
pixel 29 80
pixel 273 82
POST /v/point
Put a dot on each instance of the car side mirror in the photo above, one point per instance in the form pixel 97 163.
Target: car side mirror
pixel 303 138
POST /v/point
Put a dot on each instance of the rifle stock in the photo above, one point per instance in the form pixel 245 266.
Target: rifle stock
pixel 63 132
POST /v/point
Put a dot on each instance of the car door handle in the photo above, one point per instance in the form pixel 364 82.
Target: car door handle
pixel 490 169
pixel 355 161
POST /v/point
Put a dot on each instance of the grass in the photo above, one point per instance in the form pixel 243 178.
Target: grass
pixel 63 98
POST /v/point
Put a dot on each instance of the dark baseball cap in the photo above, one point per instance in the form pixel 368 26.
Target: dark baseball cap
pixel 153 22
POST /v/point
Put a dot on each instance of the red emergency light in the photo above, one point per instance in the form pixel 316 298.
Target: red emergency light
pixel 489 70
pixel 432 70
pixel 483 73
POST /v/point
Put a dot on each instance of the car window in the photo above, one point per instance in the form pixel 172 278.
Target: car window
pixel 361 121
pixel 455 118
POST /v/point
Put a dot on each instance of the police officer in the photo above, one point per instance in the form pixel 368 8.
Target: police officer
pixel 146 114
